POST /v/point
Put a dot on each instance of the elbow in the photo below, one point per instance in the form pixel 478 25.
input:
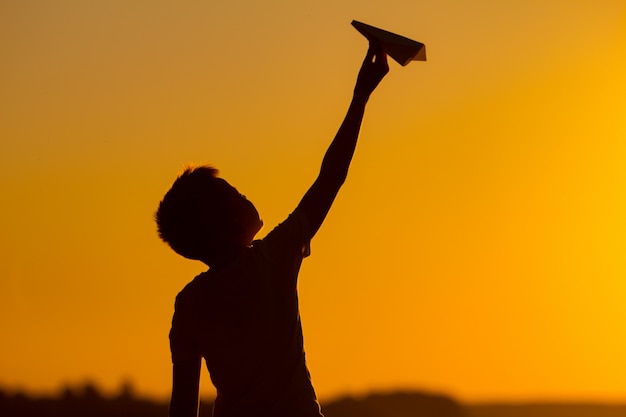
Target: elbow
pixel 339 180
pixel 332 184
pixel 333 179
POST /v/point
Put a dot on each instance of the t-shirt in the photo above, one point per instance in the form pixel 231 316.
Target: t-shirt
pixel 243 319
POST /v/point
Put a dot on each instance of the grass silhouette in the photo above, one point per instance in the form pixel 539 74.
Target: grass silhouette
pixel 88 400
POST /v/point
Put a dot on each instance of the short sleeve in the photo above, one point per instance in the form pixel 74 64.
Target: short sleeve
pixel 290 238
pixel 182 345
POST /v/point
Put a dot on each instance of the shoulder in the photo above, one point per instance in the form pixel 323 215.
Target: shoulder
pixel 296 220
pixel 293 234
pixel 188 293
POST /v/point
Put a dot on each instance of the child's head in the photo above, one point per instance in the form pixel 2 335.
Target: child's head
pixel 203 217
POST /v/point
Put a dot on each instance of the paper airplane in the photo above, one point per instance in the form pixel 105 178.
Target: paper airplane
pixel 402 50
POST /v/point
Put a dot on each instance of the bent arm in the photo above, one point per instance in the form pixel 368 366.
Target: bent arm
pixel 319 198
pixel 185 386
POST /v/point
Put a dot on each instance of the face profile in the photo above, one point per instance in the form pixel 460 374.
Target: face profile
pixel 248 219
pixel 244 215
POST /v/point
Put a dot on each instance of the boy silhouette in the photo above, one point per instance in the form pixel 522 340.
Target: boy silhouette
pixel 242 315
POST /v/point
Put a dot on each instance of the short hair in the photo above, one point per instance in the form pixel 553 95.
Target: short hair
pixel 191 211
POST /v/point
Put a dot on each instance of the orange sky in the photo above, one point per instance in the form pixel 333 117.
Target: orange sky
pixel 476 249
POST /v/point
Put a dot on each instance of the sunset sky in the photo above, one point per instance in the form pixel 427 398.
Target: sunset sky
pixel 477 248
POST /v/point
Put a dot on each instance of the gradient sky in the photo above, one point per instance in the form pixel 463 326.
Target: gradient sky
pixel 477 248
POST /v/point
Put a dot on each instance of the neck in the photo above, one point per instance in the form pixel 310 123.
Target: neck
pixel 224 257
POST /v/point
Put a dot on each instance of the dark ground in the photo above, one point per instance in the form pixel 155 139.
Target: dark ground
pixel 89 401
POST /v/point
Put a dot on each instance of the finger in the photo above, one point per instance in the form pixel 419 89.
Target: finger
pixel 377 48
pixel 382 58
pixel 369 57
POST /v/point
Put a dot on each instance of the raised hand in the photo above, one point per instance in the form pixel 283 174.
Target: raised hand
pixel 373 70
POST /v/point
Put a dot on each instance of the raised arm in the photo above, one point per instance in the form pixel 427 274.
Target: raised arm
pixel 318 199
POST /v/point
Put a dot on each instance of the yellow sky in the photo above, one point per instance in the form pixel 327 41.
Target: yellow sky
pixel 476 249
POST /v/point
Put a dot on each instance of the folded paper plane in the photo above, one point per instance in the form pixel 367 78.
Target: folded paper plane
pixel 402 50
